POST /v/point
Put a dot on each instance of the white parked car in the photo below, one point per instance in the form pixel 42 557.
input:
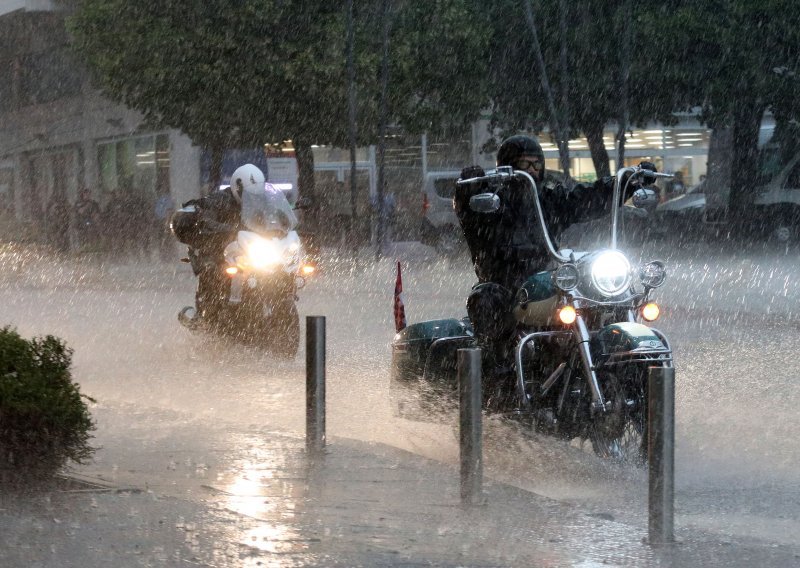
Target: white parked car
pixel 777 204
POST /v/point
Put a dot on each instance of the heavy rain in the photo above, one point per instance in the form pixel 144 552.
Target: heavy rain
pixel 361 116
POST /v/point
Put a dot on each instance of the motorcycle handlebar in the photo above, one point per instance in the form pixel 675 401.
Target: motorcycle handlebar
pixel 489 177
pixel 651 173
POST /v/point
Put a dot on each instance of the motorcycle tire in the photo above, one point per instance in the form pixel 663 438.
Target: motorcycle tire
pixel 620 434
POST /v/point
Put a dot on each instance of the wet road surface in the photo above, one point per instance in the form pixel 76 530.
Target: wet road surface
pixel 731 321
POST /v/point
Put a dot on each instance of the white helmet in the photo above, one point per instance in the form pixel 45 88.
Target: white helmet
pixel 247 178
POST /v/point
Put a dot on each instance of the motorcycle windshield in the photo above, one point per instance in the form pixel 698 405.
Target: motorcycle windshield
pixel 268 212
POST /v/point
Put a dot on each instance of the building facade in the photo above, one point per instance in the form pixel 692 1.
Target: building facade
pixel 59 136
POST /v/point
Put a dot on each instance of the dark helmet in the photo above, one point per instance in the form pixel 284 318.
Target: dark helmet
pixel 516 146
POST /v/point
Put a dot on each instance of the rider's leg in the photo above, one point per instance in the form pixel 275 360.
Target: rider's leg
pixel 489 310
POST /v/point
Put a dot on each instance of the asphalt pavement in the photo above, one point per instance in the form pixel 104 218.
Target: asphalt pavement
pixel 197 494
pixel 173 488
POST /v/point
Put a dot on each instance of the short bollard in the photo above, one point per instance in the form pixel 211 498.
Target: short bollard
pixel 661 454
pixel 470 395
pixel 315 384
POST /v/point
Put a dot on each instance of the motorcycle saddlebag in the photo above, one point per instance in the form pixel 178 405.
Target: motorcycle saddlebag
pixel 412 344
pixel 184 224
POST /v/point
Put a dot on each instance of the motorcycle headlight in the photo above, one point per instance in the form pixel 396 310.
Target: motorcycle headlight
pixel 653 274
pixel 263 253
pixel 611 273
pixel 566 277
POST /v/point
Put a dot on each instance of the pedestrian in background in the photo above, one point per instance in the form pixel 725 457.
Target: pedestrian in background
pixel 162 212
pixel 58 221
pixel 114 225
pixel 87 220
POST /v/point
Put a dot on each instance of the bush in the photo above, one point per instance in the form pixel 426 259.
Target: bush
pixel 44 420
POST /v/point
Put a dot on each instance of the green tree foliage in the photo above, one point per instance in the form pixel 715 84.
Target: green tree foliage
pixel 44 420
pixel 732 59
pixel 439 63
pixel 264 71
pixel 269 70
pixel 593 80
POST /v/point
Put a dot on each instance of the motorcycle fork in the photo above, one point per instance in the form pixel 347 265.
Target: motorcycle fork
pixel 581 333
pixel 567 382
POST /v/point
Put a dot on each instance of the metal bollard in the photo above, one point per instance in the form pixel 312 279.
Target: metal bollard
pixel 315 384
pixel 470 432
pixel 661 454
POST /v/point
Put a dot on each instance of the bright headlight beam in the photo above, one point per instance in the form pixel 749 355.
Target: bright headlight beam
pixel 263 253
pixel 611 273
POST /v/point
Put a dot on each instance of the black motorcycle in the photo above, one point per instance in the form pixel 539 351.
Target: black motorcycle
pixel 264 266
pixel 583 340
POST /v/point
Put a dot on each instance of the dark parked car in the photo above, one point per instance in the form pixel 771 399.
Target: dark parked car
pixel 680 215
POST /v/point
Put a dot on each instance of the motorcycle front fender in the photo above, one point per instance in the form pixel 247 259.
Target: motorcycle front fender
pixel 627 339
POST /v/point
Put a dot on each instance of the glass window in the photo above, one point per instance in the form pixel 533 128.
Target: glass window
pixel 144 175
pixel 6 85
pixel 6 190
pixel 162 164
pixel 107 161
pixel 135 165
pixel 125 165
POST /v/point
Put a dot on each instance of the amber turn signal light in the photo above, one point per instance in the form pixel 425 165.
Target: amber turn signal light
pixel 231 270
pixel 651 311
pixel 567 315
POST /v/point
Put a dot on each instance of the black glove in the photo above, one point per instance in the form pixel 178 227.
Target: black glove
pixel 472 172
pixel 648 179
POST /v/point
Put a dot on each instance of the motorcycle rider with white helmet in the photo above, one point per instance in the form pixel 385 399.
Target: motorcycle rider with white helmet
pixel 212 225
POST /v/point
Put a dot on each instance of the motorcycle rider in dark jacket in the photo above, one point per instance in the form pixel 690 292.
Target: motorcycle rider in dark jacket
pixel 208 230
pixel 507 246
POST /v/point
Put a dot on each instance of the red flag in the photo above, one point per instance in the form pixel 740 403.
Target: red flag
pixel 399 308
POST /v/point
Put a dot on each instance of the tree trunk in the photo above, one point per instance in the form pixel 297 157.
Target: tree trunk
pixel 382 124
pixel 215 173
pixel 625 68
pixel 597 148
pixel 562 24
pixel 305 180
pixel 718 171
pixel 555 123
pixel 351 127
pixel 746 125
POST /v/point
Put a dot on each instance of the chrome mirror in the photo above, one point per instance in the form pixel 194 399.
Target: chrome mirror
pixel 484 203
pixel 645 198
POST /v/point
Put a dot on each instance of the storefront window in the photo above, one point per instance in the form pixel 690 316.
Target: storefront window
pixel 681 149
pixel 135 165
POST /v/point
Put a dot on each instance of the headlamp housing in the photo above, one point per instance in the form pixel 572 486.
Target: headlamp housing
pixel 653 274
pixel 566 277
pixel 611 273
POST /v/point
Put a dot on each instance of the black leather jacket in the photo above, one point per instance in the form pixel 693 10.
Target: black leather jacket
pixel 218 220
pixel 507 246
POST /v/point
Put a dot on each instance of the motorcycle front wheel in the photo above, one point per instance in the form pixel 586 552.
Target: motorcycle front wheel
pixel 285 331
pixel 620 433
